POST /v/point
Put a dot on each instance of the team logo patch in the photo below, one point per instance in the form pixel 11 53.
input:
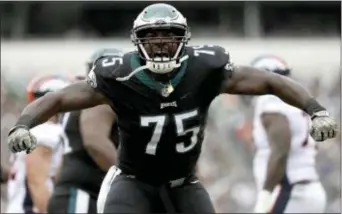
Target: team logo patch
pixel 229 66
pixel 170 104
pixel 91 80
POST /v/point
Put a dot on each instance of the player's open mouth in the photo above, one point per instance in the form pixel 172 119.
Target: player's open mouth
pixel 161 55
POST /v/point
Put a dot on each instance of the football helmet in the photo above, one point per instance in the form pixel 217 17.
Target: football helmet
pixel 160 33
pixel 39 86
pixel 271 63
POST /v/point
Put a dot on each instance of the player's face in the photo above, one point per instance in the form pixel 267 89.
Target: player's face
pixel 160 43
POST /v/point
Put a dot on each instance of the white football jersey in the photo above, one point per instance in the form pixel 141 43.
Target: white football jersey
pixel 50 135
pixel 301 159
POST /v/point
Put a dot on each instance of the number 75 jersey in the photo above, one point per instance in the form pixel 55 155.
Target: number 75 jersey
pixel 161 133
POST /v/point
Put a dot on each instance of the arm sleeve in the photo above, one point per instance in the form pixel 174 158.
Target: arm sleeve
pixel 224 61
pixel 96 79
pixel 102 78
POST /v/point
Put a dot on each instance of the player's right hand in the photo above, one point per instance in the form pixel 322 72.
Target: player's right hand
pixel 20 139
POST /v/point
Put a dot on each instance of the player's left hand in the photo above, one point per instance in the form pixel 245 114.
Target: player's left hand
pixel 323 126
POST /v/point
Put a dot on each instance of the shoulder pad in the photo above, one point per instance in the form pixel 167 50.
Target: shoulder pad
pixel 107 65
pixel 103 53
pixel 212 55
pixel 107 69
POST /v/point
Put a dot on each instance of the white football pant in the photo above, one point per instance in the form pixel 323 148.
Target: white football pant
pixel 299 198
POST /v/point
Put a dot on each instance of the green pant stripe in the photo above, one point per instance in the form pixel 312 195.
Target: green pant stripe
pixel 72 201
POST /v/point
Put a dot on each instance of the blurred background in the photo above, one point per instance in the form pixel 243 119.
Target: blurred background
pixel 58 37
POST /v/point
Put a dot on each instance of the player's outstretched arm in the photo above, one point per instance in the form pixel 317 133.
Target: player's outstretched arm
pixel 251 81
pixel 279 137
pixel 74 97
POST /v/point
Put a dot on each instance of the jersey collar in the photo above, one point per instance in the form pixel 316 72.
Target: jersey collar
pixel 151 83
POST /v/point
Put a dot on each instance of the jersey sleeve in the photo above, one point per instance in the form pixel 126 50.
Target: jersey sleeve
pixel 226 64
pixel 213 66
pixel 221 59
pixel 215 57
pixel 101 75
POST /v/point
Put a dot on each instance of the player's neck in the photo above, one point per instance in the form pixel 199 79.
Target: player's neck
pixel 163 78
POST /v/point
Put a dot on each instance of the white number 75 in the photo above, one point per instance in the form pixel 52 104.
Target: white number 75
pixel 159 122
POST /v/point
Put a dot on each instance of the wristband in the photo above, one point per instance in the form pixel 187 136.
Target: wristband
pixel 27 120
pixel 17 127
pixel 312 106
pixel 320 114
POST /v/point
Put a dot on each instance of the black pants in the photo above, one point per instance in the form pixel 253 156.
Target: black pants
pixel 68 199
pixel 126 194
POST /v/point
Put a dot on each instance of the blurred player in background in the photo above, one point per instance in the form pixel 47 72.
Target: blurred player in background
pixel 31 177
pixel 89 153
pixel 284 163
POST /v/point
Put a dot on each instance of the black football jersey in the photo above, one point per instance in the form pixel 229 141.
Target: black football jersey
pixel 78 167
pixel 161 136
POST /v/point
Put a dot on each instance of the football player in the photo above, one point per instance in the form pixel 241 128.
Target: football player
pixel 89 153
pixel 160 94
pixel 284 163
pixel 32 176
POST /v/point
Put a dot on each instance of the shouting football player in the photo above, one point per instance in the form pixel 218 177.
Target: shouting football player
pixel 160 94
